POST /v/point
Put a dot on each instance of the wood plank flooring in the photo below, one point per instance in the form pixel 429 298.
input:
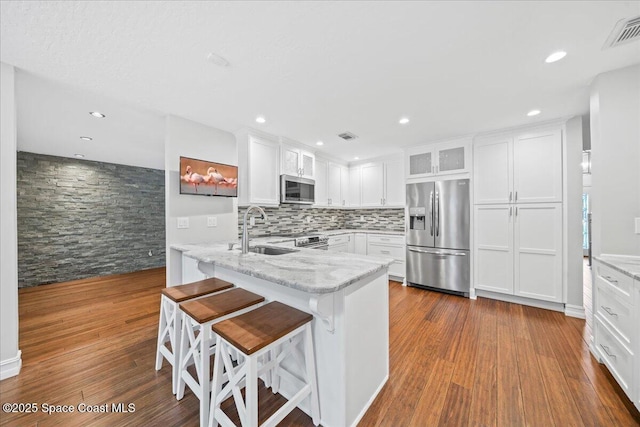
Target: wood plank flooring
pixel 454 362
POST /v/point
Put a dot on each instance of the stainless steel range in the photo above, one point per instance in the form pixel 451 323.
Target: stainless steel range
pixel 311 241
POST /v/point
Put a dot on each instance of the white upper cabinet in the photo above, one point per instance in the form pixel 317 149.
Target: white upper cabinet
pixel 442 158
pixel 372 184
pixel 321 187
pixel 258 181
pixel 525 168
pixel 297 162
pixel 537 167
pixel 383 184
pixel 344 185
pixel 355 186
pixel 335 184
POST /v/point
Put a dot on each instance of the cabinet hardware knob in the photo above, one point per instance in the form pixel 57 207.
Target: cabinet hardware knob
pixel 608 310
pixel 516 198
pixel 510 195
pixel 610 279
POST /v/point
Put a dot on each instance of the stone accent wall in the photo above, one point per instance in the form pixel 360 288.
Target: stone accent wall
pixel 80 219
pixel 292 218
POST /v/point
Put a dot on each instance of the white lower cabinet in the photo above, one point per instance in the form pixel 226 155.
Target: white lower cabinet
pixel 617 326
pixel 391 246
pixel 518 250
pixel 339 243
pixel 360 243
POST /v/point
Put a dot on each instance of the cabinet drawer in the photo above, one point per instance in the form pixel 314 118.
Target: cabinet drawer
pixel 618 281
pixel 396 252
pixel 617 358
pixel 336 240
pixel 616 313
pixel 386 239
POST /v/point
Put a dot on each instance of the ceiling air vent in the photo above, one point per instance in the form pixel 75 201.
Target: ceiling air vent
pixel 348 136
pixel 625 31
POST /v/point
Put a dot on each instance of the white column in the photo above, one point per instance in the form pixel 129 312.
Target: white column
pixel 10 355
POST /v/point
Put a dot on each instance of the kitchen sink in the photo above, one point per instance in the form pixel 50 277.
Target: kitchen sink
pixel 266 250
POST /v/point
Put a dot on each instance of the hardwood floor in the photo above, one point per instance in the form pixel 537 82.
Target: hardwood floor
pixel 454 362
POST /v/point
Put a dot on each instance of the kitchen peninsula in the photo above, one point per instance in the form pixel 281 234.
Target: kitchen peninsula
pixel 346 293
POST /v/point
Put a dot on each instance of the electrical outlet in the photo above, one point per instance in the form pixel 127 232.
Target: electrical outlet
pixel 361 217
pixel 150 253
pixel 252 221
pixel 183 222
pixel 308 219
pixel 212 221
pixel 333 217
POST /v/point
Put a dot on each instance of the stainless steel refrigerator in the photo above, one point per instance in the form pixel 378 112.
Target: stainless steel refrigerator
pixel 438 235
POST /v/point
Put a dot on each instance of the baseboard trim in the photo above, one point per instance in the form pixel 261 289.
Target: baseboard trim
pixel 370 402
pixel 555 306
pixel 11 367
pixel 576 311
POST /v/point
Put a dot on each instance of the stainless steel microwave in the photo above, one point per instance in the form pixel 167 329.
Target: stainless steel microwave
pixel 295 189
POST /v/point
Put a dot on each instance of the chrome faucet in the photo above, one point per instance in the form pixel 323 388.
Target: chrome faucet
pixel 245 234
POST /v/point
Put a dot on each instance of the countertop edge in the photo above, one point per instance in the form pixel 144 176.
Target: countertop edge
pixel 615 261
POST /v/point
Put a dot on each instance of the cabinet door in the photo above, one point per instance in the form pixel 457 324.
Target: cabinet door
pixel 538 251
pixel 355 181
pixel 537 167
pixel 307 164
pixel 360 244
pixel 334 185
pixel 494 248
pixel 344 185
pixel 372 184
pixel 452 158
pixel 352 244
pixel 395 188
pixel 290 160
pixel 263 172
pixel 321 195
pixel 421 164
pixel 492 171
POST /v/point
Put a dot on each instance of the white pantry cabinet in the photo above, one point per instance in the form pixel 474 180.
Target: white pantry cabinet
pixel 521 168
pixel 355 186
pixel 258 166
pixel 382 184
pixel 297 162
pixel 450 157
pixel 518 250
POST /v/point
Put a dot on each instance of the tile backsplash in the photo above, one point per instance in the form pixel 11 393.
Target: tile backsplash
pixel 292 218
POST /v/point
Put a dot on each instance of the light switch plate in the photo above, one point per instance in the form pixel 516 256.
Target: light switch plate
pixel 252 221
pixel 212 221
pixel 637 225
pixel 183 222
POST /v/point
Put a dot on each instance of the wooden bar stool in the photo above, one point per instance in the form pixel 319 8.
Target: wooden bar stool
pixel 274 330
pixel 169 325
pixel 199 315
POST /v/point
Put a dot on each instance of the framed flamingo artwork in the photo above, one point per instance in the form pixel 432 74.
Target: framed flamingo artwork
pixel 205 178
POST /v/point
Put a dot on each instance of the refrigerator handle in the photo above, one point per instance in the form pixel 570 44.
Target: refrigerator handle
pixel 431 212
pixel 437 219
pixel 444 253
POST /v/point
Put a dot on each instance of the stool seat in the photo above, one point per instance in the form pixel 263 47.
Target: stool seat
pixel 205 309
pixel 196 289
pixel 257 329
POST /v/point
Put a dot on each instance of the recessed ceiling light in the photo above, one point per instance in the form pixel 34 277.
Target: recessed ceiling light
pixel 97 114
pixel 555 56
pixel 261 119
pixel 356 158
pixel 319 143
pixel 86 138
pixel 403 121
pixel 218 60
pixel 533 113
pixel 80 156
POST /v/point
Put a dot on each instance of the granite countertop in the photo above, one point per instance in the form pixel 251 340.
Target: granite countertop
pixel 628 265
pixel 308 270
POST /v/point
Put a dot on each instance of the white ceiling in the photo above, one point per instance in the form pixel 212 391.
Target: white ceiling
pixel 313 69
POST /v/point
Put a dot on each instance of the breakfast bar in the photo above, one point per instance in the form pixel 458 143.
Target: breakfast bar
pixel 346 293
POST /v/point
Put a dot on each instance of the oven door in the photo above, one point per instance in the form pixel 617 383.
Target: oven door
pixel 294 189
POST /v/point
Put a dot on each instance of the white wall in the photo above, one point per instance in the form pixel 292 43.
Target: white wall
pixel 615 159
pixel 191 139
pixel 573 208
pixel 10 355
